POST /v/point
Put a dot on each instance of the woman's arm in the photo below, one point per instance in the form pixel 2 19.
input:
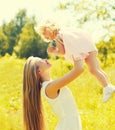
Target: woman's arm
pixel 55 85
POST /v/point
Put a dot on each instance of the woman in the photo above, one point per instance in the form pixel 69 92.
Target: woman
pixel 37 78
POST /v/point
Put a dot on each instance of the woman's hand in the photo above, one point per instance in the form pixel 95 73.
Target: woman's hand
pixel 78 62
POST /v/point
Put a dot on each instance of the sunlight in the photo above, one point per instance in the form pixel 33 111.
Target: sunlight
pixel 8 9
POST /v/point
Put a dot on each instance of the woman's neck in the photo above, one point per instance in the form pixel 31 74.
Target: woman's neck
pixel 45 77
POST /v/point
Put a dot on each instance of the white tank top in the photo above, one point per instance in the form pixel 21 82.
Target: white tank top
pixel 64 104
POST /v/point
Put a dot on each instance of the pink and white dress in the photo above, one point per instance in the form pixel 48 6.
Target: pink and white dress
pixel 77 43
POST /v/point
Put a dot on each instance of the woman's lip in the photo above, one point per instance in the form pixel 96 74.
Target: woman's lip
pixel 47 62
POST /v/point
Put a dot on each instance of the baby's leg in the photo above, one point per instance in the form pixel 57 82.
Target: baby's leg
pixel 95 69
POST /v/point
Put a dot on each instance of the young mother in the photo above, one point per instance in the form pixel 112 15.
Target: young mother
pixel 36 79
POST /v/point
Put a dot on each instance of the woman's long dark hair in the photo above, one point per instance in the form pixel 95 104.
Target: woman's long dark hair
pixel 32 105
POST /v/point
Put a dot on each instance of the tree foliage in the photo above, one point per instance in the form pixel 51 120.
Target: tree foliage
pixel 3 43
pixel 98 17
pixel 30 43
pixel 18 36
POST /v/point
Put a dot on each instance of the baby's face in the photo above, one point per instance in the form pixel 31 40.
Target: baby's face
pixel 48 34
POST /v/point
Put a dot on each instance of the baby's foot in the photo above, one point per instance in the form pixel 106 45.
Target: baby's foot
pixel 107 92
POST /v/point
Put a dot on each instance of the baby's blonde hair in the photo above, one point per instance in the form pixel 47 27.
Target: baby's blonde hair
pixel 51 25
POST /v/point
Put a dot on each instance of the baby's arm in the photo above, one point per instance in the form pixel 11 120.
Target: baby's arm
pixel 53 50
pixel 59 49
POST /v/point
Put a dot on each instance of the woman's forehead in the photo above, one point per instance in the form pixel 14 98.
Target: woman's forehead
pixel 38 59
pixel 35 60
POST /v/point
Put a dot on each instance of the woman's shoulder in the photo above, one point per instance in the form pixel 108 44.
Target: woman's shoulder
pixel 53 96
pixel 44 85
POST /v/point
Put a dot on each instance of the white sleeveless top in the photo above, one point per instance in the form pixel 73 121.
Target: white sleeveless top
pixel 63 105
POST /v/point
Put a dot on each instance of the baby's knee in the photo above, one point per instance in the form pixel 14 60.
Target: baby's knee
pixel 94 71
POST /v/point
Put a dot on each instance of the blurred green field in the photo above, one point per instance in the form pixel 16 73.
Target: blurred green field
pixel 86 90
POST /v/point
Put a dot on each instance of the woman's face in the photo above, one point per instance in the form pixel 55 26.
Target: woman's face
pixel 43 64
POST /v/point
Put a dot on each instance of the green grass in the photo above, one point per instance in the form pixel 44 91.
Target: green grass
pixel 86 90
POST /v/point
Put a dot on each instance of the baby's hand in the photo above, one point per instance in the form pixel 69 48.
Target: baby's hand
pixel 51 49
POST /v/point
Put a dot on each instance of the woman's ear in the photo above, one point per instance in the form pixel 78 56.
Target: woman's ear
pixel 38 72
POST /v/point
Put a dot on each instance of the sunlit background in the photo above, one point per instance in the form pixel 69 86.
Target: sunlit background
pixel 19 40
pixel 96 16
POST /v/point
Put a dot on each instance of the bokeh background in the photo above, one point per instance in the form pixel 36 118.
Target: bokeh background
pixel 19 40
